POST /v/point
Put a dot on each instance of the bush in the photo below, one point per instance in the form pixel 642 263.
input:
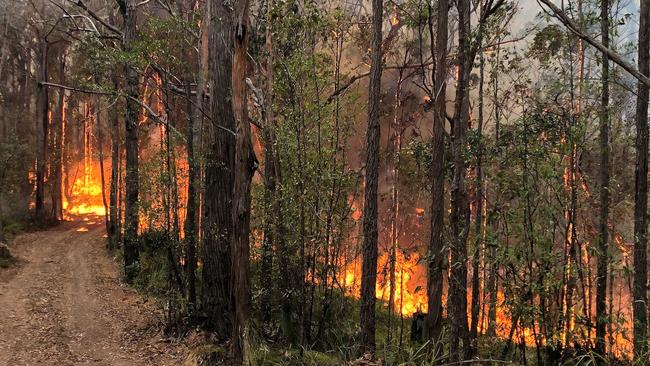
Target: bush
pixel 153 274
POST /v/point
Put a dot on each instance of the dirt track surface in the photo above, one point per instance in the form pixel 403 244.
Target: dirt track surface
pixel 64 304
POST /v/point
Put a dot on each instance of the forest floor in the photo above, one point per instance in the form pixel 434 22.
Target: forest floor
pixel 63 304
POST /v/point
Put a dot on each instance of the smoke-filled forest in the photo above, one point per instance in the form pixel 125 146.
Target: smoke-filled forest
pixel 324 182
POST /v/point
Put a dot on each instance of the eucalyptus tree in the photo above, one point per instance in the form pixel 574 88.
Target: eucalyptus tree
pixel 369 266
pixel 641 189
pixel 603 239
pixel 436 250
pixel 128 9
pixel 219 176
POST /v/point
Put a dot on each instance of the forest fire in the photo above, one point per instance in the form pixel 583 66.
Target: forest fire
pixel 84 196
pixel 475 167
pixel 410 295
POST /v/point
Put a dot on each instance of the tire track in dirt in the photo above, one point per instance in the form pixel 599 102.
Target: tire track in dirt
pixel 65 305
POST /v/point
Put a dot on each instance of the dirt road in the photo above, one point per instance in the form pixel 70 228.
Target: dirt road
pixel 64 304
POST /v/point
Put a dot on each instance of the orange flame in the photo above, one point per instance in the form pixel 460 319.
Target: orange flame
pixel 409 295
pixel 85 194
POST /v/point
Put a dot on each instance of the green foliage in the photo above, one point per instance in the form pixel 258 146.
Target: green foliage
pixel 158 189
pixel 15 160
pixel 154 276
pixel 265 356
pixel 315 186
pixel 13 225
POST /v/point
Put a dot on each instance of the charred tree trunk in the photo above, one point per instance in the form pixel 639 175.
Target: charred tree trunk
pixel 132 164
pixel 437 257
pixel 641 190
pixel 459 217
pixel 220 161
pixel 42 110
pixel 369 265
pixel 245 166
pixel 603 244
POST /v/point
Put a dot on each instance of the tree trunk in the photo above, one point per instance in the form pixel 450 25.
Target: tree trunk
pixel 25 129
pixel 272 171
pixel 478 220
pixel 42 110
pixel 394 232
pixel 191 224
pixel 459 217
pixel 272 220
pixel 131 123
pixel 220 161
pixel 245 165
pixel 641 190
pixel 603 245
pixel 113 234
pixel 190 218
pixel 57 170
pixel 100 148
pixel 369 265
pixel 492 286
pixel 437 257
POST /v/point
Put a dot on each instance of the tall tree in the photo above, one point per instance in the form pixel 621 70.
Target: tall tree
pixel 129 12
pixel 245 166
pixel 369 265
pixel 57 160
pixel 100 146
pixel 641 190
pixel 43 122
pixel 491 281
pixel 459 216
pixel 603 240
pixel 190 218
pixel 220 161
pixel 113 221
pixel 478 216
pixel 193 108
pixel 436 245
pixel 266 260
